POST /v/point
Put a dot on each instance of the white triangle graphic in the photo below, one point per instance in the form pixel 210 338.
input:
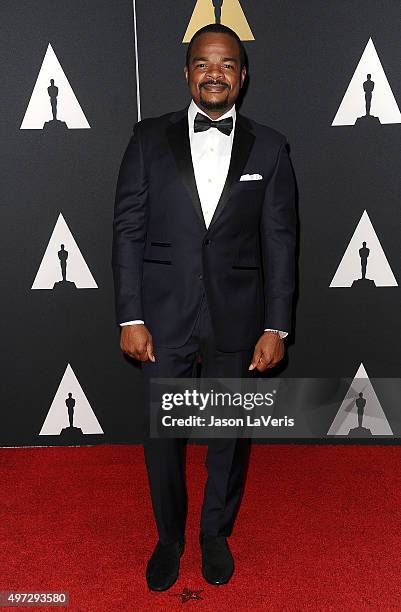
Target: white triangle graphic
pixel 69 113
pixel 373 417
pixel 383 103
pixel 83 416
pixel 378 269
pixel 50 273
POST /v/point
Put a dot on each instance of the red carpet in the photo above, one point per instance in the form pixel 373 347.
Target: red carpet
pixel 319 529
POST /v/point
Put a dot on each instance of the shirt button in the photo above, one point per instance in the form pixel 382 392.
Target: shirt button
pixel 209 180
pixel 211 148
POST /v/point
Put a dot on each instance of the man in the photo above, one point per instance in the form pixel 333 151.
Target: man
pixel 203 267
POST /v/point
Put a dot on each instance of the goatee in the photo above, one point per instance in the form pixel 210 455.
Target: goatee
pixel 208 105
pixel 213 105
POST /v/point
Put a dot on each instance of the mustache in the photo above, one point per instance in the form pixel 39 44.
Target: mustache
pixel 214 83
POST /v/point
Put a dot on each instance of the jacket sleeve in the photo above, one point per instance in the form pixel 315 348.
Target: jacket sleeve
pixel 278 239
pixel 129 231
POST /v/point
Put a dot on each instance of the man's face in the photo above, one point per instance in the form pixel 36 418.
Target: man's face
pixel 214 76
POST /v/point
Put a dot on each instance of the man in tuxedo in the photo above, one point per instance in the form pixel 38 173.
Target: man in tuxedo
pixel 204 267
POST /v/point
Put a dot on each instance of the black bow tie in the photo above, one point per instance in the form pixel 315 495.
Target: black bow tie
pixel 203 123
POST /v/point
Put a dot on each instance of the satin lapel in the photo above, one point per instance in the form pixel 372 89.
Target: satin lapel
pixel 242 145
pixel 178 138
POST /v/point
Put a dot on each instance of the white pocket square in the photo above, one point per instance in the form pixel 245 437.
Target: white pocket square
pixel 251 177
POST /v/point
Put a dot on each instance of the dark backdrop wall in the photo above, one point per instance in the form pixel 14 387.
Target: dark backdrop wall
pixel 115 62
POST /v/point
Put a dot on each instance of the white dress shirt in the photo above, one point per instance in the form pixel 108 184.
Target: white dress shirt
pixel 211 154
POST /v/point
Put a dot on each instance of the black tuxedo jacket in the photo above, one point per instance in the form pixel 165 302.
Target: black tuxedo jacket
pixel 163 256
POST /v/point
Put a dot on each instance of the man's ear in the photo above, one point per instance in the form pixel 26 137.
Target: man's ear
pixel 243 75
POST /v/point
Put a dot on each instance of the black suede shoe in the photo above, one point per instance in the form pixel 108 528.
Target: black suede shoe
pixel 163 566
pixel 217 560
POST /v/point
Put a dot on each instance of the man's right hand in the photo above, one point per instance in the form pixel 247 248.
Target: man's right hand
pixel 136 341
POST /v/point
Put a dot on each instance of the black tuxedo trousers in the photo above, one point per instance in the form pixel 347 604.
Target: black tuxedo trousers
pixel 226 459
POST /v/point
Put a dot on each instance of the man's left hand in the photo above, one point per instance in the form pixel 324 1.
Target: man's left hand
pixel 269 350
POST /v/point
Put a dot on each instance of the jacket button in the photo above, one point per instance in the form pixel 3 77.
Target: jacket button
pixel 208 241
pixel 200 276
